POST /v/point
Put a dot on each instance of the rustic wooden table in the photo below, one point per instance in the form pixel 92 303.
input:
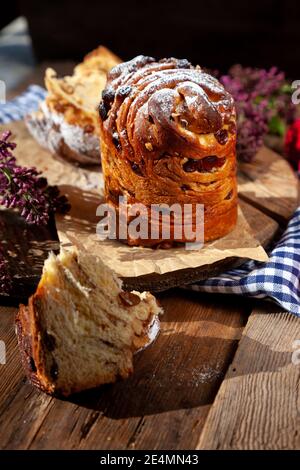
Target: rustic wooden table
pixel 220 375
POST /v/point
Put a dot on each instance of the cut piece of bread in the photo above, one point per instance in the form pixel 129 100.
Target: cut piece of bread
pixel 73 142
pixel 67 120
pixel 80 329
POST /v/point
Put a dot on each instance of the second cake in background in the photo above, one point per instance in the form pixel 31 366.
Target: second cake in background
pixel 66 122
pixel 168 135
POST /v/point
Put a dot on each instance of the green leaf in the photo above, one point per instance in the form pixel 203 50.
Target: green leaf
pixel 277 126
pixel 272 102
pixel 7 173
pixel 258 99
pixel 286 88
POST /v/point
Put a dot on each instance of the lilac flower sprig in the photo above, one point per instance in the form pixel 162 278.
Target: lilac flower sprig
pixel 25 190
pixel 263 104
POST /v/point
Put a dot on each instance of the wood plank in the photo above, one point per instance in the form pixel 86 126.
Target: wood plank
pixel 264 228
pixel 11 372
pixel 257 406
pixel 270 184
pixel 24 409
pixel 204 346
pixel 15 389
pixel 174 386
pixel 163 405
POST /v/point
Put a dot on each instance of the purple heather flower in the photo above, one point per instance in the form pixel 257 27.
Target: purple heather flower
pixel 23 188
pixel 263 105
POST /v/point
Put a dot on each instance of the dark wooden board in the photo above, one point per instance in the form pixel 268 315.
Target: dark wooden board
pixel 269 184
pixel 26 247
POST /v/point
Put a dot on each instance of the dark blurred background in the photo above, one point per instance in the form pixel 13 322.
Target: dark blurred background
pixel 215 34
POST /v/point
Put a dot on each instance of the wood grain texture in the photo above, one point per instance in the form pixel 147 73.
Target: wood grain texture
pixel 270 184
pixel 11 373
pixel 163 405
pixel 258 404
pixel 263 227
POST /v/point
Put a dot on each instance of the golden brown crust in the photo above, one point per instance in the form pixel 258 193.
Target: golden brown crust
pixel 75 96
pixel 101 59
pixel 27 345
pixel 36 346
pixel 72 115
pixel 168 135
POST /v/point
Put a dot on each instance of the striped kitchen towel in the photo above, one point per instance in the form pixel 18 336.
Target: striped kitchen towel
pixel 277 280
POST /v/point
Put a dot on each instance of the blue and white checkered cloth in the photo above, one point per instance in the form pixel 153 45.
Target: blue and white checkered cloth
pixel 17 108
pixel 277 280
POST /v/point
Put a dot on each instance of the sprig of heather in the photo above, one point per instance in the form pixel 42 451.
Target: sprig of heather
pixel 263 105
pixel 25 190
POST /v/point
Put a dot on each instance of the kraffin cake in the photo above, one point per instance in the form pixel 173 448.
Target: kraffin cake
pixel 168 135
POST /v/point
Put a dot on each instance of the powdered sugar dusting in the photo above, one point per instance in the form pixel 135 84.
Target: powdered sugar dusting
pixel 50 129
pixel 205 374
pixel 153 331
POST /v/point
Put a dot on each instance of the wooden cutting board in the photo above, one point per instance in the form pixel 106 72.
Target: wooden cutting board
pixel 268 191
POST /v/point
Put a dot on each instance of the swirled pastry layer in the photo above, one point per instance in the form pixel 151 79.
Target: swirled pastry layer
pixel 168 135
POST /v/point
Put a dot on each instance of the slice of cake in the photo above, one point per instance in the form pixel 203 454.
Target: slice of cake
pixel 81 329
pixel 67 120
